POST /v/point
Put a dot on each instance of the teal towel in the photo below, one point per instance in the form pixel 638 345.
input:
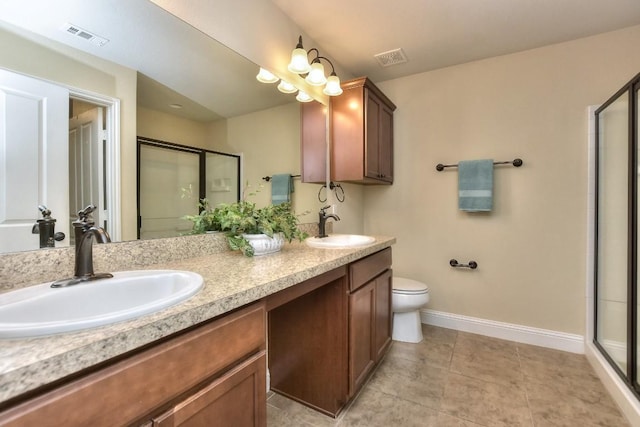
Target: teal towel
pixel 475 185
pixel 281 188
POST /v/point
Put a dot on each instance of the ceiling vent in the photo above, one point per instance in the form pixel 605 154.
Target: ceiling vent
pixel 84 34
pixel 391 57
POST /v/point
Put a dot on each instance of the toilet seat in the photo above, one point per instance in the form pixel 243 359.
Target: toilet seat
pixel 403 286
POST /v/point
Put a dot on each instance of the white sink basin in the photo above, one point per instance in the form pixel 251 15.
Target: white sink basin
pixel 340 241
pixel 43 310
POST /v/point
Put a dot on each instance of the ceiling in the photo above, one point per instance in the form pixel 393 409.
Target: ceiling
pixel 439 33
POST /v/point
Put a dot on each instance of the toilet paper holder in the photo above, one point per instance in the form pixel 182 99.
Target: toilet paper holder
pixel 454 263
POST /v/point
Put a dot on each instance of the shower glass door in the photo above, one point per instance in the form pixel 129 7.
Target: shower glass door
pixel 163 174
pixel 616 234
pixel 612 230
pixel 173 178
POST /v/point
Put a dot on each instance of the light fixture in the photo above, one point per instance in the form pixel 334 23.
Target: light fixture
pixel 303 97
pixel 333 86
pixel 265 76
pixel 315 71
pixel 286 87
pixel 313 74
pixel 299 60
pixel 316 75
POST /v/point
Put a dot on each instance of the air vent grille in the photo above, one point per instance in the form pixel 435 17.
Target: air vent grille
pixel 391 57
pixel 84 34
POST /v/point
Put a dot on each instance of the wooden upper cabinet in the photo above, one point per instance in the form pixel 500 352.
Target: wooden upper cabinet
pixel 361 135
pixel 313 124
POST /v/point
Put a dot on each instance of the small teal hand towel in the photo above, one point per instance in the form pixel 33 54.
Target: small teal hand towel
pixel 475 185
pixel 281 188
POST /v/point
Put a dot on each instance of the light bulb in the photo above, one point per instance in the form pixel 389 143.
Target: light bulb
pixel 316 75
pixel 266 76
pixel 286 87
pixel 333 86
pixel 303 97
pixel 299 62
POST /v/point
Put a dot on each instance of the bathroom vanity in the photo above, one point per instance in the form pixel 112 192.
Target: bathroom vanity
pixel 328 333
pixel 328 319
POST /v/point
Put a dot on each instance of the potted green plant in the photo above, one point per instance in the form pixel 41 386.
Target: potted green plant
pixel 249 229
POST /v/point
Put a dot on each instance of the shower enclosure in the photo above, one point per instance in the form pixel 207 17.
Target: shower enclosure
pixel 616 235
pixel 173 178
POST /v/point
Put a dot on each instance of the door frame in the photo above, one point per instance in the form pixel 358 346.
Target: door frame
pixel 630 375
pixel 111 155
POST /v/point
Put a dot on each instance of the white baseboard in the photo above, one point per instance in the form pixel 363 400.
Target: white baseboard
pixel 507 331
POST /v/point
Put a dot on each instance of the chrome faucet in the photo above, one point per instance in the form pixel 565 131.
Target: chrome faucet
pixel 323 217
pixel 85 231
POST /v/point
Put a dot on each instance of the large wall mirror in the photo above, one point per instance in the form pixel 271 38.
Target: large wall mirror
pixel 150 75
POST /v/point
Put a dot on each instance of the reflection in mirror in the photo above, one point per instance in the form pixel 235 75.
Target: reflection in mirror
pixel 172 179
pixel 153 60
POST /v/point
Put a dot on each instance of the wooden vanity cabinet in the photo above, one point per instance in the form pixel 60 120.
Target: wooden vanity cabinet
pixel 313 152
pixel 212 375
pixel 361 136
pixel 328 333
pixel 370 315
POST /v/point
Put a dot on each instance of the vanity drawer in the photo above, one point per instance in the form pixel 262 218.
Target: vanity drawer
pixel 129 389
pixel 362 271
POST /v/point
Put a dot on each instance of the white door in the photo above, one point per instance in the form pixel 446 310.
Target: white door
pixel 86 148
pixel 34 158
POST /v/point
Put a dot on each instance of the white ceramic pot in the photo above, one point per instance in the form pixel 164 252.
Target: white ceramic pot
pixel 263 244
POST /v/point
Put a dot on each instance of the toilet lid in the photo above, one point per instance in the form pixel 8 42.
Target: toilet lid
pixel 402 285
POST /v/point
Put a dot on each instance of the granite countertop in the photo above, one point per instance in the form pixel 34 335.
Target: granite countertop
pixel 230 281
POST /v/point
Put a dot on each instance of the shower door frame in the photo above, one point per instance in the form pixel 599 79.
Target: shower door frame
pixel 202 154
pixel 630 377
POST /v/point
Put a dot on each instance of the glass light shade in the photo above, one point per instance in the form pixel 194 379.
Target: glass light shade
pixel 333 86
pixel 299 62
pixel 286 87
pixel 316 75
pixel 265 76
pixel 303 97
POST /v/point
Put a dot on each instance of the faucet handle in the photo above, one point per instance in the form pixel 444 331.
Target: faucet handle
pixel 85 214
pixel 46 213
pixel 322 210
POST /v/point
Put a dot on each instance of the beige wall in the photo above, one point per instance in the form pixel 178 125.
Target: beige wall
pixel 270 143
pixel 166 127
pixel 531 248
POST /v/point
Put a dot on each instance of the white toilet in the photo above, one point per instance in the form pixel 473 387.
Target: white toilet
pixel 407 298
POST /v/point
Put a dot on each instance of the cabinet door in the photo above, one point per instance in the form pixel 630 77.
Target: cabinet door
pixel 238 398
pixel 313 124
pixel 385 144
pixel 383 316
pixel 379 139
pixel 361 335
pixel 372 136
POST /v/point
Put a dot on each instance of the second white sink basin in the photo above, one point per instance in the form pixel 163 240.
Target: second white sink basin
pixel 42 310
pixel 340 241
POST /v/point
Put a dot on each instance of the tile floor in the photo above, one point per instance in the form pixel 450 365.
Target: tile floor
pixel 459 379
